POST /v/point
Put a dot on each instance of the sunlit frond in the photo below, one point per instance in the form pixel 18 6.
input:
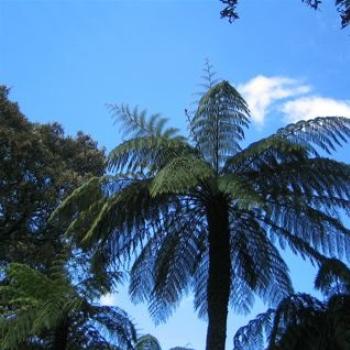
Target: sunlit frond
pixel 39 306
pixel 219 123
pixel 181 175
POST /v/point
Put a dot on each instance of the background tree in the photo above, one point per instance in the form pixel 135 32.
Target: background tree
pixel 149 342
pixel 303 322
pixel 205 215
pixel 39 166
pixel 343 6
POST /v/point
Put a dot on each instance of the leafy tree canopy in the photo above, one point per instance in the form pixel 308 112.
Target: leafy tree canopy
pixel 39 166
pixel 230 9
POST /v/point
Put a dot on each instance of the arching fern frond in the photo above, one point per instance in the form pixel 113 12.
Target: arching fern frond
pixel 333 276
pixel 163 271
pixel 254 334
pixel 33 303
pixel 256 261
pixel 326 133
pixel 114 323
pixel 282 327
pixel 147 154
pixel 242 194
pixel 35 306
pixel 265 153
pixel 135 123
pixel 175 265
pixel 181 175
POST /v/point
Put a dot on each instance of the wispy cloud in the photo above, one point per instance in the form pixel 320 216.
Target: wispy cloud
pixel 263 92
pixel 314 106
pixel 291 98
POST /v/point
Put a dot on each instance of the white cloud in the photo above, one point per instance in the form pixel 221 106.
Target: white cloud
pixel 261 92
pixel 314 106
pixel 108 300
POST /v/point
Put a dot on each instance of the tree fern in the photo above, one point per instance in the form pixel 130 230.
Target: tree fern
pixel 204 215
pixel 34 306
pixel 301 321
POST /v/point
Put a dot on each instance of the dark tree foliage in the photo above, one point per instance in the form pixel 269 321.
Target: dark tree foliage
pixel 39 166
pixel 149 342
pixel 230 9
pixel 45 305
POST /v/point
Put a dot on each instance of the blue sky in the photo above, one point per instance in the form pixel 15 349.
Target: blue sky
pixel 65 59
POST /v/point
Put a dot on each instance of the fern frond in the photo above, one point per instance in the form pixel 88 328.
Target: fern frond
pixel 242 194
pixel 135 123
pixel 266 153
pixel 146 154
pixel 219 123
pixel 181 175
pixel 256 261
pixel 162 272
pixel 116 323
pixel 209 75
pixel 175 264
pixel 253 335
pixel 281 327
pixel 326 133
pixel 147 342
pixel 333 274
pixel 79 200
pixel 37 306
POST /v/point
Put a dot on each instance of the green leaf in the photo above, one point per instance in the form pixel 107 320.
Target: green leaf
pixel 181 175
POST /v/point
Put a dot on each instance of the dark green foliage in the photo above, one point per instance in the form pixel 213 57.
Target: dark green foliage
pixel 333 278
pixel 149 342
pixel 40 308
pixel 343 6
pixel 303 322
pixel 273 324
pixel 39 166
pixel 229 11
pixel 300 322
pixel 48 310
pixel 206 216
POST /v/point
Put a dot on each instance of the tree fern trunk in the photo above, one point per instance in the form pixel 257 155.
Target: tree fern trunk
pixel 61 335
pixel 219 278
